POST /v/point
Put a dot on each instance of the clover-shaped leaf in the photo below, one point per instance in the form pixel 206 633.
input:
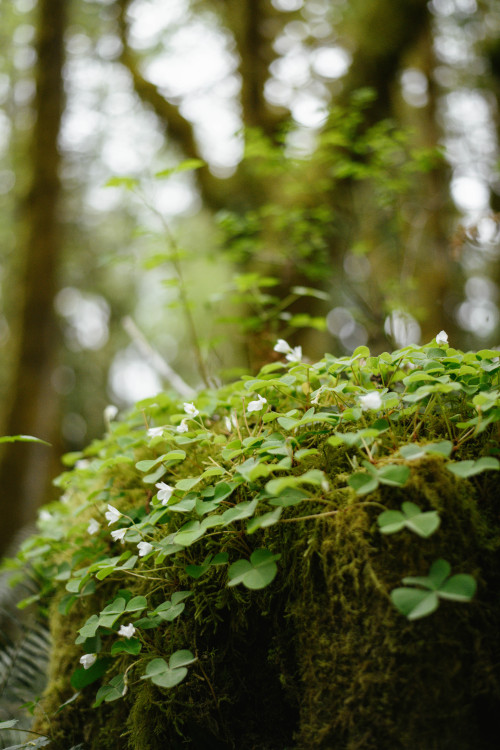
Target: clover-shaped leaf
pixel 189 533
pixel 169 675
pixel 111 692
pixel 464 469
pixel 415 603
pixel 256 573
pixel 411 517
pixel 362 483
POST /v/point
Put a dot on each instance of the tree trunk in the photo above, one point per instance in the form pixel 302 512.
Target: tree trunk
pixel 25 468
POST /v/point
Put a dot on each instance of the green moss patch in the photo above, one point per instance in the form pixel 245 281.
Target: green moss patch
pixel 230 577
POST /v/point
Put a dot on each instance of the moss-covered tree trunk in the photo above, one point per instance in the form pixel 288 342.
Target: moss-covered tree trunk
pixel 24 468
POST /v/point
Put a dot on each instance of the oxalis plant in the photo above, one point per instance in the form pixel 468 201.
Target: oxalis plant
pixel 176 489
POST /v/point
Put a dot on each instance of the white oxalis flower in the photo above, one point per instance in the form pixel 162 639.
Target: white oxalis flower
pixel 165 492
pixel 371 400
pixel 144 548
pixel 191 409
pixel 155 432
pixel 110 412
pixel 258 404
pixel 292 354
pixel 127 630
pixel 442 337
pixel 118 535
pixel 183 427
pixel 295 354
pixel 112 514
pixel 93 526
pixel 87 660
pixel 282 347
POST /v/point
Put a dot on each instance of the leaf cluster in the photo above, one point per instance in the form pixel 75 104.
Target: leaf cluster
pixel 231 472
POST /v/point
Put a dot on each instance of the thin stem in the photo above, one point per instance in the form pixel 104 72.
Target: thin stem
pixel 193 335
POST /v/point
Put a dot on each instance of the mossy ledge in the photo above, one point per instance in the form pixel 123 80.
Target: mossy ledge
pixel 313 654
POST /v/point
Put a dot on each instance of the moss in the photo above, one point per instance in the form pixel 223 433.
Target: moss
pixel 320 658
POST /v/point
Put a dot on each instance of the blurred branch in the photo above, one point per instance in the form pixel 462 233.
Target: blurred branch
pixel 157 361
pixel 255 25
pixel 178 127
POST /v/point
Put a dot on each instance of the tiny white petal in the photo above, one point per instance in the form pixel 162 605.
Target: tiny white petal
pixel 93 526
pixel 144 548
pixel 228 424
pixel 112 514
pixel 315 398
pixel 87 660
pixel 110 412
pixel 183 427
pixel 155 432
pixel 282 347
pixel 442 337
pixel 371 400
pixel 257 405
pixel 82 463
pixel 191 410
pixel 44 515
pixel 165 492
pixel 295 354
pixel 127 630
pixel 118 535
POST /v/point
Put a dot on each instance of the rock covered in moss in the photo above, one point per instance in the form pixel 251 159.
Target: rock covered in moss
pixel 288 562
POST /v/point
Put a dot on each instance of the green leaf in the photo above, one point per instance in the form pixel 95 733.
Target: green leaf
pixel 136 604
pixel 89 629
pixel 391 521
pixel 276 486
pixel 443 448
pixel 289 497
pixel 189 533
pixel 169 611
pixel 464 469
pixel 185 166
pixel 424 524
pixel 414 603
pixel 223 490
pixel 305 291
pixel 458 588
pixel 362 483
pixel 439 572
pixel 240 511
pixel 8 724
pixel 262 522
pixel 155 476
pixel 169 675
pixel 394 475
pixel 187 484
pixel 256 573
pixel 130 646
pixel 111 692
pixel 412 452
pixel 83 677
pixel 287 423
pixel 129 183
pixel 22 439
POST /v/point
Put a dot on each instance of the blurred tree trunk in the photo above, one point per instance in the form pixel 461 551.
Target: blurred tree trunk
pixel 24 467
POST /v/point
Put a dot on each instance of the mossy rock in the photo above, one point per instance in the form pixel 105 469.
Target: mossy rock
pixel 317 656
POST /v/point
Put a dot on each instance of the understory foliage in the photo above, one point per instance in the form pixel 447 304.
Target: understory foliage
pixel 305 558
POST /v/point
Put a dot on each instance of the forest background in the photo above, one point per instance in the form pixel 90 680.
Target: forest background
pixel 182 183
